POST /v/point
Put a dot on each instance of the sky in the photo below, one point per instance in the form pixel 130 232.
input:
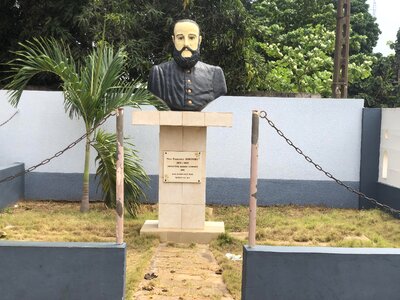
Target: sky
pixel 388 18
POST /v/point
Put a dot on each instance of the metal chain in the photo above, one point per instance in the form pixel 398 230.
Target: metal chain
pixel 59 153
pixel 9 119
pixel 263 115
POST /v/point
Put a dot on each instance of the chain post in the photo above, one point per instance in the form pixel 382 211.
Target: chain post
pixel 120 177
pixel 253 178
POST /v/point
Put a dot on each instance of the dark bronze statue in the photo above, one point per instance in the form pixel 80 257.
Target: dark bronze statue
pixel 186 83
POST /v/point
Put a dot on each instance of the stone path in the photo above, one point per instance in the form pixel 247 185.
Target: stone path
pixel 183 272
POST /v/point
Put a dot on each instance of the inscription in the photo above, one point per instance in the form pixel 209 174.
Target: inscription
pixel 182 167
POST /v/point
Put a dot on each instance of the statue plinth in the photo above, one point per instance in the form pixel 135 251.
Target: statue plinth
pixel 182 174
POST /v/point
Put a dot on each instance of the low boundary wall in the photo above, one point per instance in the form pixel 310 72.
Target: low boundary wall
pixel 369 172
pixel 11 191
pixel 41 270
pixel 328 130
pixel 308 273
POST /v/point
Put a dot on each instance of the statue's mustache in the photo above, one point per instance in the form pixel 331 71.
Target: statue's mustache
pixel 187 48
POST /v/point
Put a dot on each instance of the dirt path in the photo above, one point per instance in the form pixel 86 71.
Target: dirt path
pixel 183 272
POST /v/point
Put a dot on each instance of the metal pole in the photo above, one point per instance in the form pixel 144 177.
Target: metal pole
pixel 120 177
pixel 253 178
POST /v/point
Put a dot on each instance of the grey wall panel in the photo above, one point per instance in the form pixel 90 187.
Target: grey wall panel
pixel 314 273
pixel 60 271
pixel 228 191
pixel 58 186
pixel 388 195
pixel 11 191
pixel 220 191
pixel 370 141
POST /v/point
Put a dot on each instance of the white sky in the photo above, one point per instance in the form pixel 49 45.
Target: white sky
pixel 388 18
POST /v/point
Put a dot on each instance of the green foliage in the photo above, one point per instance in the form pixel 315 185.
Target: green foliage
pixel 145 29
pixel 224 239
pixel 364 29
pixel 26 19
pixel 297 62
pixel 382 89
pixel 262 45
pixel 134 175
pixel 292 45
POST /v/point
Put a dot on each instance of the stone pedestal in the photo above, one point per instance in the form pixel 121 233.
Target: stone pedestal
pixel 182 174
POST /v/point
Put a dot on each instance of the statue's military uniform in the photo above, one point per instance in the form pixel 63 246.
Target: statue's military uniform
pixel 190 89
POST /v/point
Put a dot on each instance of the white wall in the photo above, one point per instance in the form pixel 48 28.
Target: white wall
pixel 328 130
pixel 390 147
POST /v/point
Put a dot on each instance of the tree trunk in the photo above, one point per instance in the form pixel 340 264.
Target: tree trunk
pixel 85 190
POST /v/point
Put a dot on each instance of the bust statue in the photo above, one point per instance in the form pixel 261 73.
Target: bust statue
pixel 185 83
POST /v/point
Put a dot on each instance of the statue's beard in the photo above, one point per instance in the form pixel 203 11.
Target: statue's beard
pixel 186 62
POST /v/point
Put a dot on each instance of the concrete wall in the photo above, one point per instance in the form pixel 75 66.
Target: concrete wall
pixel 328 130
pixel 11 191
pixel 377 140
pixel 58 271
pixel 314 273
pixel 389 154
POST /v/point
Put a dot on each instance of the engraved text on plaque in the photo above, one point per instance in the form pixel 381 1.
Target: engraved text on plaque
pixel 182 167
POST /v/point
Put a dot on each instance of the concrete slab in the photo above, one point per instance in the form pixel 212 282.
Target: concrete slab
pixel 210 231
pixel 179 118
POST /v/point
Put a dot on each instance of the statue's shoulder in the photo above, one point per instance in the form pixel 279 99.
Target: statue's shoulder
pixel 164 66
pixel 210 68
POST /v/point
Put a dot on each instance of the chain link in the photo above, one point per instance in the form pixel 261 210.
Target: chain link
pixel 59 153
pixel 263 115
pixel 9 119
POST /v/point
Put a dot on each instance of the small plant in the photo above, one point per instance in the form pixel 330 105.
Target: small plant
pixel 93 87
pixel 224 239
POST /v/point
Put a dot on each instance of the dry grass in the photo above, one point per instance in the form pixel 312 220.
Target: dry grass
pixel 300 226
pixel 277 225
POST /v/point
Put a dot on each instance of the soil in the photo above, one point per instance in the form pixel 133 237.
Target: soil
pixel 183 272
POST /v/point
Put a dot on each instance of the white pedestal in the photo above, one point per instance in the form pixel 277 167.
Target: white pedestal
pixel 181 206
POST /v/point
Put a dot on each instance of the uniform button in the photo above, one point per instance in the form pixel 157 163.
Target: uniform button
pixel 189 101
pixel 189 81
pixel 189 91
pixel 188 71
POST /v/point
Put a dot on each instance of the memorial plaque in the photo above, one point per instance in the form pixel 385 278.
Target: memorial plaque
pixel 182 167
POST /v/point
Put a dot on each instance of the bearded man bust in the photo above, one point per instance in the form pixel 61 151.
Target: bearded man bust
pixel 186 83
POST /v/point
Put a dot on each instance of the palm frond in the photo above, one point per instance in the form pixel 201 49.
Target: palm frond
pixel 134 175
pixel 37 56
pixel 92 89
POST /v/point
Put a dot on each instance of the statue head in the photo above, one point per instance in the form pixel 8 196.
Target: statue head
pixel 187 40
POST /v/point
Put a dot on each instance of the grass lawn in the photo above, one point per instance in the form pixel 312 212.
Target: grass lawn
pixel 283 225
pixel 300 226
pixel 62 222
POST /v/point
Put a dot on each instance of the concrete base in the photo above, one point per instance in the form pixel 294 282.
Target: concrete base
pixel 200 236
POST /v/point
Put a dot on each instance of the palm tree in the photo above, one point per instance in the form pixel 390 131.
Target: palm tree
pixel 92 89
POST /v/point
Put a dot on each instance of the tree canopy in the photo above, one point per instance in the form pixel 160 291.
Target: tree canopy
pixel 382 89
pixel 262 45
pixel 292 47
